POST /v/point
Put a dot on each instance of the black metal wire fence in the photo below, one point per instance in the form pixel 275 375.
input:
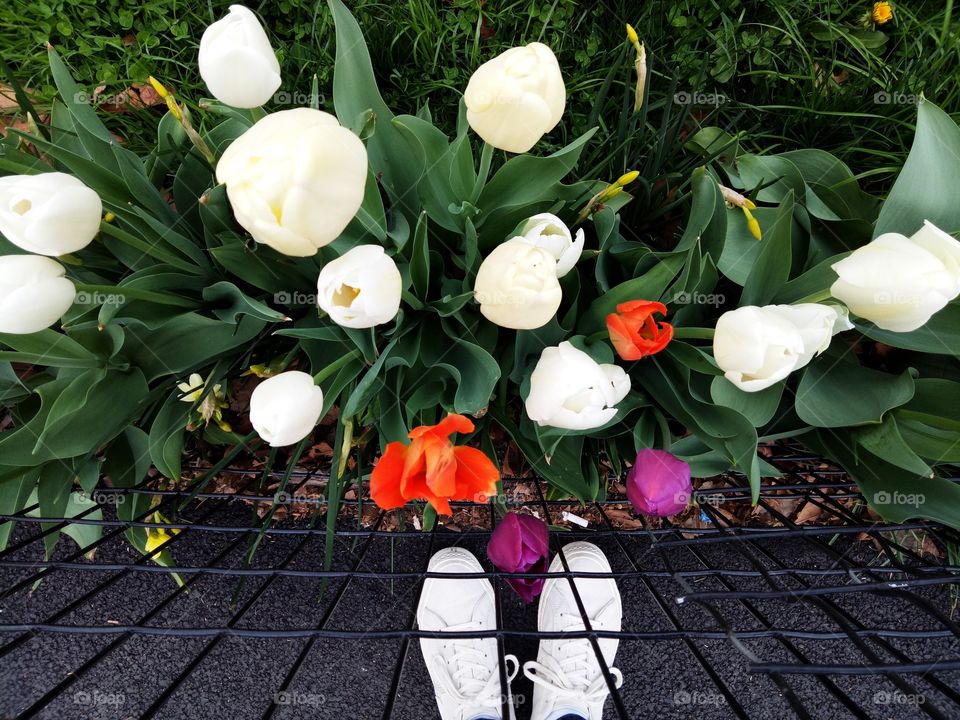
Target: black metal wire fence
pixel 801 607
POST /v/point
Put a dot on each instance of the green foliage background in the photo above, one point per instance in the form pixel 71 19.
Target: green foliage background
pixel 772 60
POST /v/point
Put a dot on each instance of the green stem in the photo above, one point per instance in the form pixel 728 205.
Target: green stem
pixel 335 366
pixel 257 113
pixel 486 158
pixel 125 292
pixel 689 333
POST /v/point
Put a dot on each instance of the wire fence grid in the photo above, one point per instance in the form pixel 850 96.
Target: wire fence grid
pixel 814 610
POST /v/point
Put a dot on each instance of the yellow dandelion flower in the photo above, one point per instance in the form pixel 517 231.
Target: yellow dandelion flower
pixel 882 12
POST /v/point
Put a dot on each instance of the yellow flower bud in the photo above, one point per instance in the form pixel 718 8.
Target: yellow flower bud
pixel 628 178
pixel 158 86
pixel 632 35
pixel 167 98
pixel 752 225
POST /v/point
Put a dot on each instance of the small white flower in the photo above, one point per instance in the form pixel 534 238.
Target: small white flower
pixel 517 285
pixel 361 288
pixel 569 389
pixel 236 60
pixel 547 231
pixel 34 293
pixel 295 180
pixel 516 97
pixel 48 214
pixel 897 282
pixel 284 409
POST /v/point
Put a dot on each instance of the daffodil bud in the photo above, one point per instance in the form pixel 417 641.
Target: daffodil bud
pixel 517 97
pixel 549 232
pixel 897 282
pixel 48 214
pixel 236 60
pixel 284 409
pixel 571 390
pixel 361 288
pixel 517 285
pixel 295 179
pixel 34 293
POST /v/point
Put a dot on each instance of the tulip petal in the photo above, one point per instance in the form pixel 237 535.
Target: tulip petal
pixel 385 480
pixel 505 546
pixel 476 476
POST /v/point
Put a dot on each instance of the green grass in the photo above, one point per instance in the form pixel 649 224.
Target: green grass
pixel 791 73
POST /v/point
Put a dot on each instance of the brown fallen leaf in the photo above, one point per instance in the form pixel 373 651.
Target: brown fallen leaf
pixel 808 514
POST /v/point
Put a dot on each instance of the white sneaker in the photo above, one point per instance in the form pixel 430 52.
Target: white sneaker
pixel 566 675
pixel 465 671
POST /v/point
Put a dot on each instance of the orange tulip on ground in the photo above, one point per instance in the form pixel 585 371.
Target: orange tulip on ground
pixel 432 468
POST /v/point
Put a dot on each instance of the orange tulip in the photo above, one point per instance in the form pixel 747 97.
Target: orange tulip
pixel 633 331
pixel 432 468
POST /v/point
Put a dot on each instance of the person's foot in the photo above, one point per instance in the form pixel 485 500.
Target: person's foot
pixel 465 671
pixel 567 679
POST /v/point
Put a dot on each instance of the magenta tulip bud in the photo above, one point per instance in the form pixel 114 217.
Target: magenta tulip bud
pixel 521 543
pixel 659 483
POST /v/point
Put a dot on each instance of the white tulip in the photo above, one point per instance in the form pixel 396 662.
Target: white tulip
pixel 361 288
pixel 516 97
pixel 236 60
pixel 517 286
pixel 897 282
pixel 295 179
pixel 34 293
pixel 548 232
pixel 756 347
pixel 571 390
pixel 48 214
pixel 284 409
pixel 816 323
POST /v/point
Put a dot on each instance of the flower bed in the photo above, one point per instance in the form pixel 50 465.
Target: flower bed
pixel 422 294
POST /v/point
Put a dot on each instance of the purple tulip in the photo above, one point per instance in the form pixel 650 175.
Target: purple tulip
pixel 521 543
pixel 659 483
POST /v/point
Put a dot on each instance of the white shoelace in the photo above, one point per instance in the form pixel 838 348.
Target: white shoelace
pixel 577 675
pixel 472 681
